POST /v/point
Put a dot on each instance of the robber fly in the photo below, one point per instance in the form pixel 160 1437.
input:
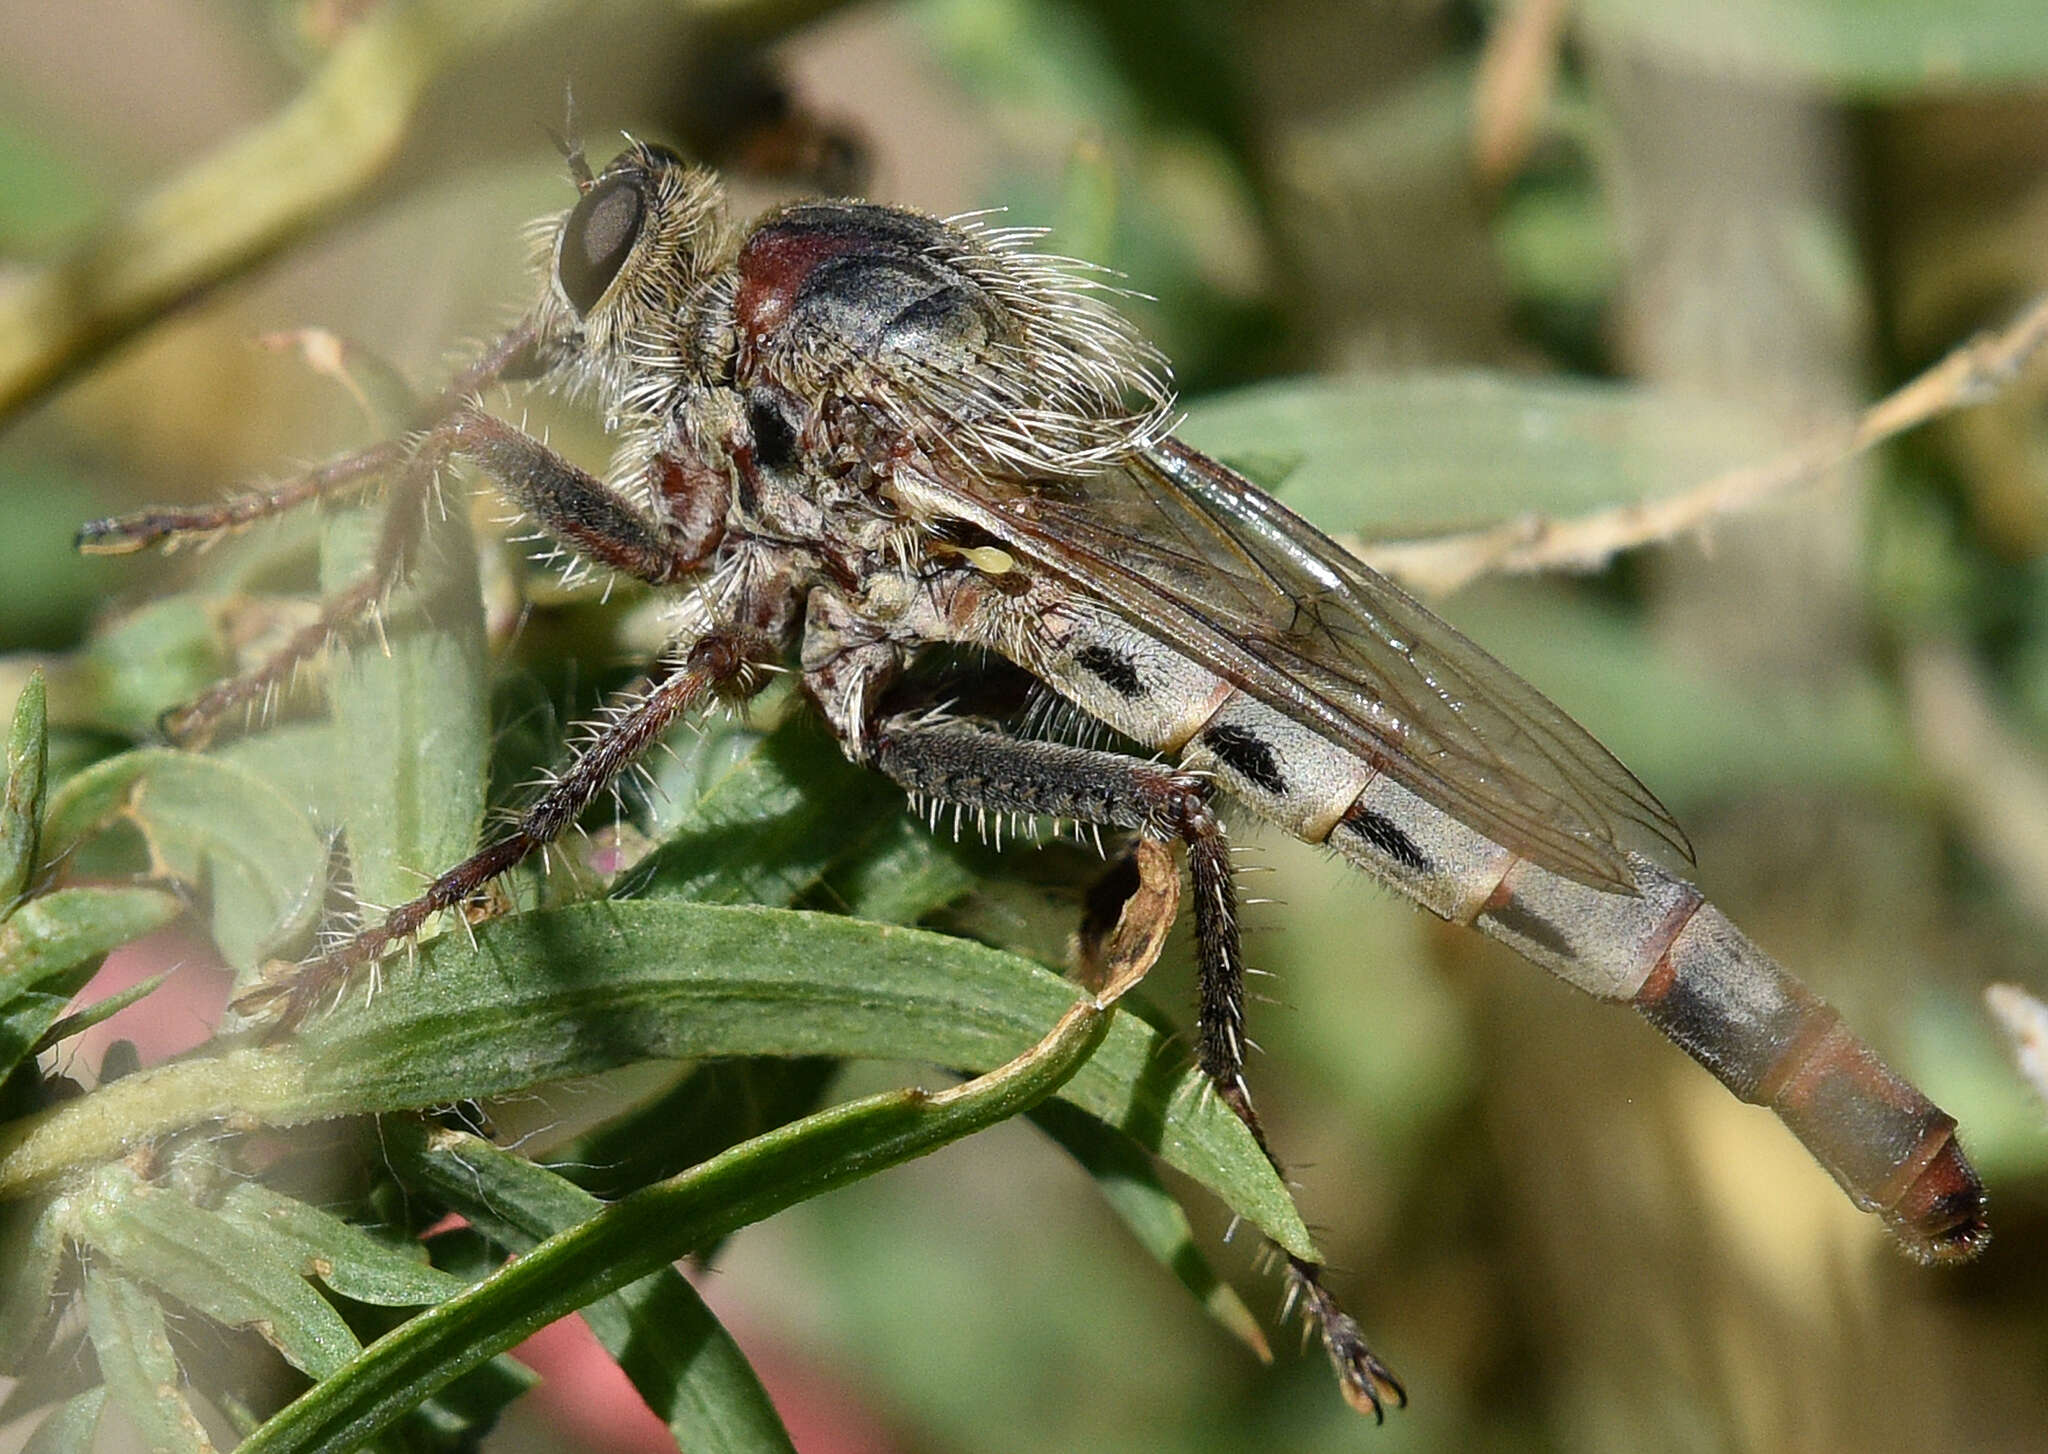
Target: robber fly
pixel 853 435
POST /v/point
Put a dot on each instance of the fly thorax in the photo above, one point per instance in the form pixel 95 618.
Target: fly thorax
pixel 887 597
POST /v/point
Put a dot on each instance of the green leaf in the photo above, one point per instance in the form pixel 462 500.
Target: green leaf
pixel 298 759
pixel 1130 1183
pixel 763 817
pixel 70 1427
pixel 641 1234
pixel 410 705
pixel 134 1346
pixel 153 657
pixel 781 818
pixel 25 1020
pixel 66 928
pixel 213 1266
pixel 21 797
pixel 563 993
pixel 901 873
pixel 211 824
pixel 98 1012
pixel 670 1345
pixel 463 1412
pixel 554 995
pixel 345 1257
pixel 709 1108
pixel 1395 456
pixel 33 1235
pixel 1868 49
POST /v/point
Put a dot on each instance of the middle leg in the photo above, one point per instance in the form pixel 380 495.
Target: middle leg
pixel 722 660
pixel 987 772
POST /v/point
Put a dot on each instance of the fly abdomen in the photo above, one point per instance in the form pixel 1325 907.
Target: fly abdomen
pixel 1662 948
pixel 1290 775
pixel 1699 980
pixel 1122 677
pixel 1773 1042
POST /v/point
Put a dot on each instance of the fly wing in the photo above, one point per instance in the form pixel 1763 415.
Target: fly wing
pixel 1192 552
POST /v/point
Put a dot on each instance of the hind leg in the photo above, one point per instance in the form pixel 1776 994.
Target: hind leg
pixel 984 772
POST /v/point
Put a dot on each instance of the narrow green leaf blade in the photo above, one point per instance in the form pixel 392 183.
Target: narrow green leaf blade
pixel 554 995
pixel 21 799
pixel 345 1257
pixel 1131 1185
pixel 213 1266
pixel 24 1020
pixel 129 1334
pixel 1874 50
pixel 463 1412
pixel 209 823
pixel 410 705
pixel 1410 454
pixel 70 1427
pixel 32 1234
pixel 562 993
pixel 709 1108
pixel 683 1362
pixel 98 1012
pixel 66 928
pixel 629 1239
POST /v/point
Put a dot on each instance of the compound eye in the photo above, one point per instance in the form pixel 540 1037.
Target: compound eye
pixel 599 234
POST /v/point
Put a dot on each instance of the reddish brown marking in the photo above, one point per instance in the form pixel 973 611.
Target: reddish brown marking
pixel 1660 981
pixel 1823 1046
pixel 962 599
pixel 1940 1217
pixel 698 497
pixel 1680 915
pixel 1662 977
pixel 772 268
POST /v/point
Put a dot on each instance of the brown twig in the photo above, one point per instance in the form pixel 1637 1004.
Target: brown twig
pixel 1518 69
pixel 1972 374
pixel 275 181
pixel 2024 1019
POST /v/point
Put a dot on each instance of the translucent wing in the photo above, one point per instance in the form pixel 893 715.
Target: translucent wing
pixel 1193 553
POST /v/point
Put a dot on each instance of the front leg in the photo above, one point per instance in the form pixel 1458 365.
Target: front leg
pixel 588 516
pixel 983 771
pixel 571 505
pixel 515 356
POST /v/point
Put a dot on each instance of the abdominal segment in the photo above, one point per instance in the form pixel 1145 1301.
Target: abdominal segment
pixel 1664 949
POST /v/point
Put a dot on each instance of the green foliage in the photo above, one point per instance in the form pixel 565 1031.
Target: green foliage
pixel 1727 223
pixel 705 967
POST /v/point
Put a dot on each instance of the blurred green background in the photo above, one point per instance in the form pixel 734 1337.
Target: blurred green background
pixel 1430 266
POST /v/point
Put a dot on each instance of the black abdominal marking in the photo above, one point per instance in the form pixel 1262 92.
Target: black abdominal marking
pixel 1248 757
pixel 1387 836
pixel 1112 668
pixel 1516 919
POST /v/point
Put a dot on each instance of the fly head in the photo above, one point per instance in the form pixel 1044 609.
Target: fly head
pixel 628 269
